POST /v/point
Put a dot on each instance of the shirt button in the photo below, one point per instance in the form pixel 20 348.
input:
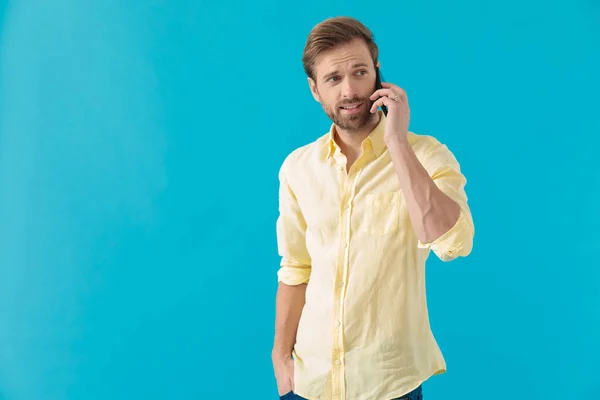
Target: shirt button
pixel 337 323
pixel 344 245
pixel 346 206
pixel 337 362
pixel 341 284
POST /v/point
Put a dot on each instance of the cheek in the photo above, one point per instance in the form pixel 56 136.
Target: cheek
pixel 368 89
pixel 329 94
pixel 330 101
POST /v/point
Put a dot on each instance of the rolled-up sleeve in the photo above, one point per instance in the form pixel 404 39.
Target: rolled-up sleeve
pixel 444 170
pixel 295 264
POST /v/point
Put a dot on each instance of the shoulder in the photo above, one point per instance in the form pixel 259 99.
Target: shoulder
pixel 423 143
pixel 428 148
pixel 306 155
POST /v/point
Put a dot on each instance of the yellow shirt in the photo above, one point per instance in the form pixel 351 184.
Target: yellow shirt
pixel 364 333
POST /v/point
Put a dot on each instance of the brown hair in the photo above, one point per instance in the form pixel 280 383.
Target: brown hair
pixel 331 33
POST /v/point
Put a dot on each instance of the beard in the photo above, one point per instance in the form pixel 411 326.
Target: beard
pixel 350 122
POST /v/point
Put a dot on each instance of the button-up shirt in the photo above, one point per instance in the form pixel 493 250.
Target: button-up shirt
pixel 364 332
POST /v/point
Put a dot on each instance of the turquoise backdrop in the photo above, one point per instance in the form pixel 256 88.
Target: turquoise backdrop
pixel 139 148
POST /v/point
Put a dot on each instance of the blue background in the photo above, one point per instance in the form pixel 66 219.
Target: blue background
pixel 139 148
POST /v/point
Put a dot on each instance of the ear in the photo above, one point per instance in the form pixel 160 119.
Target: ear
pixel 377 65
pixel 313 89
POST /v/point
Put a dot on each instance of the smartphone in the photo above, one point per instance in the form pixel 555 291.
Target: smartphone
pixel 378 79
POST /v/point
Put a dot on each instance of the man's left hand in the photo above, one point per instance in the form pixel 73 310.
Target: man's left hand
pixel 398 118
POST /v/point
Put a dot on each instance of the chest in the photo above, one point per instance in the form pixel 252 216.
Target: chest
pixel 366 197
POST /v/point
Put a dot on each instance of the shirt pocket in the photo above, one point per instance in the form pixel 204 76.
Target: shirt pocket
pixel 382 213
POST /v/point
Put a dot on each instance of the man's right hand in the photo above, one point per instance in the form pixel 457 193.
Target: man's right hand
pixel 284 374
pixel 289 305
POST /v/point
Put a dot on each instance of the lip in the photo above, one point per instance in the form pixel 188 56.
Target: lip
pixel 352 111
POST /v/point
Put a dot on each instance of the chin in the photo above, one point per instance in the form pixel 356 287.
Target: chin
pixel 353 122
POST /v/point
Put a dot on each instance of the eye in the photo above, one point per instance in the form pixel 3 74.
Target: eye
pixel 332 78
pixel 362 72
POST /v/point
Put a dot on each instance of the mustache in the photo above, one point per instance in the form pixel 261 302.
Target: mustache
pixel 354 101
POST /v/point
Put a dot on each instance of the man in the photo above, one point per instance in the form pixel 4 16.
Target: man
pixel 360 210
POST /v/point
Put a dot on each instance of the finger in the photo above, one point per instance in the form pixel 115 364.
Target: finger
pixel 382 92
pixel 390 104
pixel 384 101
pixel 397 89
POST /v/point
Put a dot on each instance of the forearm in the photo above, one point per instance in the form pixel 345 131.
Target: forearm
pixel 432 212
pixel 289 304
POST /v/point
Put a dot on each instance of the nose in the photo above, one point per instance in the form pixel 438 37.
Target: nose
pixel 349 89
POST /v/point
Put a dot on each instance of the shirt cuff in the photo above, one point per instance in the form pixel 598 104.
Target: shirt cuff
pixel 293 275
pixel 449 245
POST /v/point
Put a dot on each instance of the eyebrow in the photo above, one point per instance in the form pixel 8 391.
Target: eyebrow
pixel 357 65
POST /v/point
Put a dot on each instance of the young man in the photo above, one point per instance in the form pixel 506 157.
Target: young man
pixel 360 210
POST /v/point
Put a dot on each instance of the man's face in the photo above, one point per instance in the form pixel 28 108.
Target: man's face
pixel 344 81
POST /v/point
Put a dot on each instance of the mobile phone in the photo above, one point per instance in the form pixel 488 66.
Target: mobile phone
pixel 378 79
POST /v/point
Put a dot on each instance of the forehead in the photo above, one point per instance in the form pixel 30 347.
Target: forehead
pixel 343 56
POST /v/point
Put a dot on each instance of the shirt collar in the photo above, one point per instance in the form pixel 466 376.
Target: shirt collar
pixel 375 138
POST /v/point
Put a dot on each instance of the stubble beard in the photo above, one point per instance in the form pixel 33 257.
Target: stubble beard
pixel 350 123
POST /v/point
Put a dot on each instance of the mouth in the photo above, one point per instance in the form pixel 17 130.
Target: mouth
pixel 352 108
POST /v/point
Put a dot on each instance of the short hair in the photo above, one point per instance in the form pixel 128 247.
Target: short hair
pixel 331 33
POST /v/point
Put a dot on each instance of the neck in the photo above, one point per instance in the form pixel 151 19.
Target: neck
pixel 351 141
